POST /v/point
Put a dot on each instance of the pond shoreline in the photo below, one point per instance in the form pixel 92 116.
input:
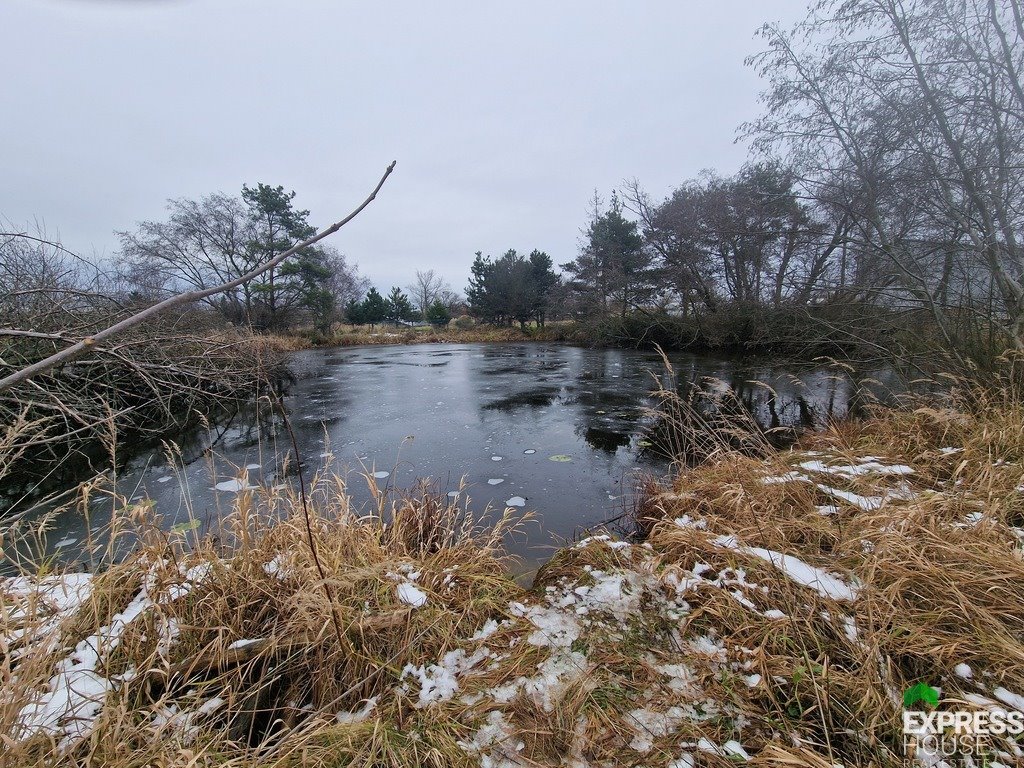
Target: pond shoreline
pixel 772 600
pixel 564 431
pixel 795 335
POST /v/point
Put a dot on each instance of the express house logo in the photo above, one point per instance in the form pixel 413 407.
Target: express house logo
pixel 930 733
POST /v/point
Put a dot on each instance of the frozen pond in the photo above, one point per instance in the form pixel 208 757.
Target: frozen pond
pixel 551 429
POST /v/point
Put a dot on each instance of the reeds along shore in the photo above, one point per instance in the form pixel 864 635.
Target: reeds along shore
pixel 775 614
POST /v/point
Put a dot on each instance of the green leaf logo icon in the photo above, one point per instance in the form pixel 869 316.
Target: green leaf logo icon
pixel 920 692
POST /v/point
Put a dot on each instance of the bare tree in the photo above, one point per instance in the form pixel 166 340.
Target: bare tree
pixel 345 283
pixel 908 116
pixel 78 348
pixel 219 238
pixel 426 289
pixel 201 244
pixel 746 238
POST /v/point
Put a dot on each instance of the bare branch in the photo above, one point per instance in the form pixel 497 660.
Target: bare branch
pixel 88 344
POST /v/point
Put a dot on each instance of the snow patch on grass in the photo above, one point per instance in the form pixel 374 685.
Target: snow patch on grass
pixel 827 584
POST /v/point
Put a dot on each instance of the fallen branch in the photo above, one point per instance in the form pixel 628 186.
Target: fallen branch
pixel 88 344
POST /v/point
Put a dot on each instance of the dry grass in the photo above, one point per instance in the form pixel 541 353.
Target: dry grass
pixel 689 646
pixel 351 336
pixel 277 693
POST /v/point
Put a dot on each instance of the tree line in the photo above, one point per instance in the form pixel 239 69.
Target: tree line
pixel 885 172
pixel 905 133
pixel 218 238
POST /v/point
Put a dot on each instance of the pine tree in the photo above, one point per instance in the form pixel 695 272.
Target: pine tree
pixel 438 314
pixel 544 279
pixel 510 289
pixel 308 280
pixel 613 266
pixel 375 308
pixel 277 226
pixel 354 312
pixel 398 308
pixel 476 291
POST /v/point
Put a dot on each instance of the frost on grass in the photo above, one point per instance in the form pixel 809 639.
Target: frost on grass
pixel 565 633
pixel 75 695
pixel 788 477
pixel 276 567
pixel 868 466
pixel 555 626
pixel 244 642
pixel 494 742
pixel 439 682
pixel 364 712
pixel 35 608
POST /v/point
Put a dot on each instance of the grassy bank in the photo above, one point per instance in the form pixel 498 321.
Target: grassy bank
pixel 775 613
pixel 841 330
pixel 364 335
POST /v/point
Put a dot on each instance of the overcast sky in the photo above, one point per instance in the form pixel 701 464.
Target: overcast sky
pixel 503 118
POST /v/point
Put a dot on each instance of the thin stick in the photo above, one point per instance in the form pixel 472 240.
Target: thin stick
pixel 88 344
pixel 279 402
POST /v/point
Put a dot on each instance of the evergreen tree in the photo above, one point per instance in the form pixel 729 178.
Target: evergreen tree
pixel 308 281
pixel 375 308
pixel 354 312
pixel 276 227
pixel 398 308
pixel 476 291
pixel 438 314
pixel 613 267
pixel 544 279
pixel 510 289
pixel 219 238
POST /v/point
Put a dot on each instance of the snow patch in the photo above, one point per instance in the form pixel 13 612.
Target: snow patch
pixel 412 595
pixel 439 682
pixel 347 718
pixel 244 642
pixel 827 584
